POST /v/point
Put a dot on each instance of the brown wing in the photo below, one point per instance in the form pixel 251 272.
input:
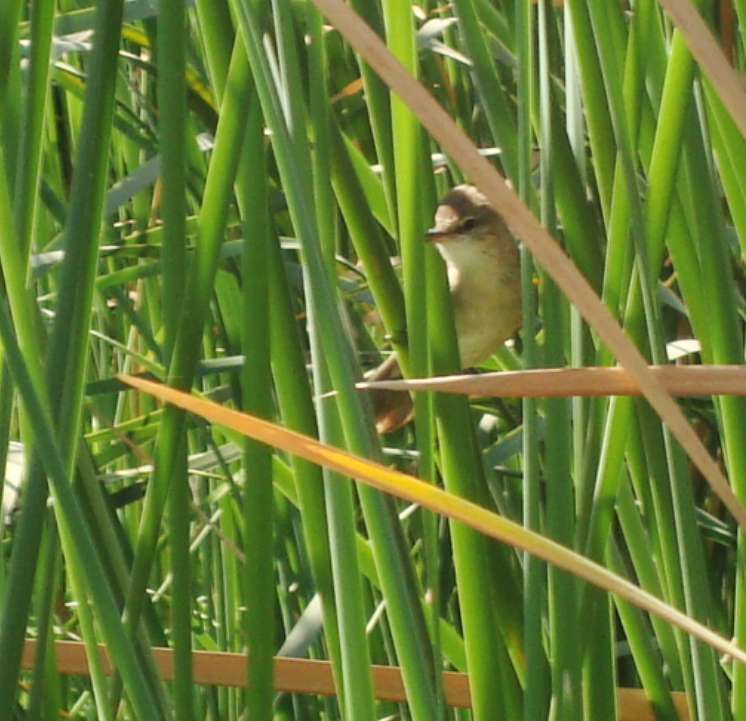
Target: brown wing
pixel 392 409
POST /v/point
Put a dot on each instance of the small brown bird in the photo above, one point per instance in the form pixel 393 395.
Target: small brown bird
pixel 484 275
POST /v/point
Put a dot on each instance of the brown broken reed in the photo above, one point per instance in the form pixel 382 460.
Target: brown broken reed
pixel 702 380
pixel 296 675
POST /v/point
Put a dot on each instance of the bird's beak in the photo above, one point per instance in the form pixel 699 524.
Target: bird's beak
pixel 434 235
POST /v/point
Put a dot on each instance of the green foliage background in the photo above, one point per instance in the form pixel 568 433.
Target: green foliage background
pixel 213 194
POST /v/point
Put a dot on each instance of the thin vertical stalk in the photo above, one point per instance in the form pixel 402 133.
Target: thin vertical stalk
pixel 9 17
pixel 172 127
pixel 598 119
pixel 534 571
pixel 560 502
pixel 259 587
pixel 37 90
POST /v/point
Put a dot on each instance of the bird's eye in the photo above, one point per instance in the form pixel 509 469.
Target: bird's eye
pixel 468 224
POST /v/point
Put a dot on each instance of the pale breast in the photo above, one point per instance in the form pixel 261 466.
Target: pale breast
pixel 485 283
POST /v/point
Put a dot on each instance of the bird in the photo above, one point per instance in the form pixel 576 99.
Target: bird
pixel 483 267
